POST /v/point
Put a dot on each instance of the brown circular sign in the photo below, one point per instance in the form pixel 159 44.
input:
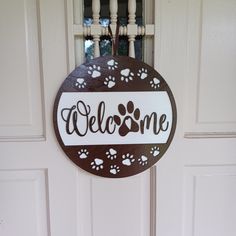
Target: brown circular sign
pixel 114 116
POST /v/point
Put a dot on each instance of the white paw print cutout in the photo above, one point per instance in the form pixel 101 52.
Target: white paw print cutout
pixel 143 160
pixel 126 75
pixel 83 153
pixel 80 83
pixel 155 83
pixel 114 169
pixel 127 159
pixel 112 64
pixel 94 71
pixel 97 164
pixel 111 154
pixel 110 81
pixel 155 151
pixel 142 73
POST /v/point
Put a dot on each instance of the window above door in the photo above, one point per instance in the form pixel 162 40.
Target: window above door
pixel 88 35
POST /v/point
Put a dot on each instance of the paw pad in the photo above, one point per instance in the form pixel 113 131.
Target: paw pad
pixel 111 154
pixel 110 81
pixel 112 64
pixel 143 160
pixel 94 71
pixel 83 153
pixel 114 169
pixel 97 164
pixel 155 151
pixel 155 83
pixel 126 75
pixel 142 73
pixel 128 122
pixel 127 159
pixel 80 83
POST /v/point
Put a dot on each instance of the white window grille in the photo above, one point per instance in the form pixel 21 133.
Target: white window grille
pixel 95 28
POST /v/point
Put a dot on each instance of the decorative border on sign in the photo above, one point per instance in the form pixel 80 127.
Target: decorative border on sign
pixel 116 74
pixel 117 162
pixel 126 75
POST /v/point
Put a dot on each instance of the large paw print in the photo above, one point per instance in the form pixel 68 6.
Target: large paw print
pixel 155 83
pixel 128 159
pixel 143 160
pixel 155 151
pixel 111 153
pixel 129 118
pixel 94 71
pixel 110 81
pixel 83 153
pixel 112 64
pixel 142 73
pixel 80 83
pixel 126 75
pixel 114 169
pixel 97 164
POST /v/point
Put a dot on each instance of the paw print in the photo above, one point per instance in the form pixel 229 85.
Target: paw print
pixel 129 118
pixel 155 151
pixel 94 71
pixel 83 153
pixel 126 75
pixel 155 83
pixel 80 83
pixel 112 64
pixel 114 169
pixel 127 159
pixel 143 160
pixel 142 73
pixel 111 154
pixel 97 164
pixel 110 81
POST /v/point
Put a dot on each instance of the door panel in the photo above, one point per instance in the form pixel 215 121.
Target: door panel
pixel 211 66
pixel 120 207
pixel 21 101
pixel 205 160
pixel 26 154
pixel 209 196
pixel 23 200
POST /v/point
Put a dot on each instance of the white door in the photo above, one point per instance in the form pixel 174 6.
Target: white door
pixel 191 191
pixel 196 181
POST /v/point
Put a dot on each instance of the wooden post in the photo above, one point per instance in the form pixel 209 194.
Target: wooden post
pixel 132 27
pixel 95 27
pixel 113 14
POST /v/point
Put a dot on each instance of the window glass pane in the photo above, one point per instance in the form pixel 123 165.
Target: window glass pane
pixel 105 42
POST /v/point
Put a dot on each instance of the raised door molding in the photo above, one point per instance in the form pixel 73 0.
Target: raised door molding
pixel 206 188
pixel 21 83
pixel 23 203
pixel 124 205
pixel 210 79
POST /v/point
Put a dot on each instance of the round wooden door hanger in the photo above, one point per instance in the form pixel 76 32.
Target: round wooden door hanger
pixel 114 116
